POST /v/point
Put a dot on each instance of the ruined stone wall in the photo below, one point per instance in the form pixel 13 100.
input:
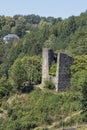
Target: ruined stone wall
pixel 63 71
pixel 47 58
pixel 62 78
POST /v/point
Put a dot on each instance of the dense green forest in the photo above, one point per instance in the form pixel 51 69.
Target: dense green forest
pixel 24 107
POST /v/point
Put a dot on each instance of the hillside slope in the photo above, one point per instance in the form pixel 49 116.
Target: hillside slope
pixel 41 108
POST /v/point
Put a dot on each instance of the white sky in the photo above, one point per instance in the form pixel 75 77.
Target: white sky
pixel 54 8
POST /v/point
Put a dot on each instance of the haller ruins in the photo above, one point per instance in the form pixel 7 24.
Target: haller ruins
pixel 63 62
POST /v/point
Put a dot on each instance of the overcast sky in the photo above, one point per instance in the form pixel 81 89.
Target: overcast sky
pixel 54 8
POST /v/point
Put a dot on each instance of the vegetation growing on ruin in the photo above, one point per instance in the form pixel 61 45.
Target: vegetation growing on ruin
pixel 53 69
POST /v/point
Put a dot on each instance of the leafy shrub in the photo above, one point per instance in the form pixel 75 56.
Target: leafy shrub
pixel 39 108
pixel 25 69
pixel 78 79
pixel 3 92
pixel 53 69
pixel 49 84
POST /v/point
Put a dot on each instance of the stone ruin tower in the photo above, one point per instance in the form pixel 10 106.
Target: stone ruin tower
pixel 63 63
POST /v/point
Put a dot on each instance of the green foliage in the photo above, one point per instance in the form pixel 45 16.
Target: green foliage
pixel 16 75
pixel 77 80
pixel 53 69
pixel 1 56
pixel 39 108
pixel 32 67
pixel 49 84
pixel 5 30
pixel 4 87
pixel 26 69
pixel 79 64
pixel 78 42
pixel 83 83
pixel 52 42
pixel 32 43
pixel 78 71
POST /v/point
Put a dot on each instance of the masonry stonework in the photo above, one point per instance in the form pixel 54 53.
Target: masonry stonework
pixel 63 61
